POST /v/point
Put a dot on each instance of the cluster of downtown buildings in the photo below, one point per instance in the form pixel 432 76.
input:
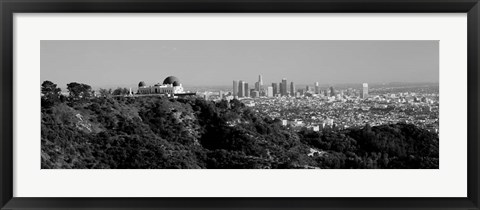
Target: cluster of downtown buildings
pixel 241 90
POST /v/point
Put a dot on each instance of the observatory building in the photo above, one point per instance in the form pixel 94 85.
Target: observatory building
pixel 171 86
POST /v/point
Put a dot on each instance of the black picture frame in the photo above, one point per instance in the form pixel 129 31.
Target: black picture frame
pixel 9 7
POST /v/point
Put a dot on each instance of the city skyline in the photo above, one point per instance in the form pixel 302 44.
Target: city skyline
pixel 216 63
pixel 240 90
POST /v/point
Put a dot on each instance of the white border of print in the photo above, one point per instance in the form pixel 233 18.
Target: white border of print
pixel 448 181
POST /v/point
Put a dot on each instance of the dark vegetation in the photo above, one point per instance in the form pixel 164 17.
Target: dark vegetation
pixel 81 131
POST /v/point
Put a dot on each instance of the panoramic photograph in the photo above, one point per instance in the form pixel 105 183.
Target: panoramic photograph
pixel 239 104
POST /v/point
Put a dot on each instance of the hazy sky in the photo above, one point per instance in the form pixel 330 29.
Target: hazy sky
pixel 196 63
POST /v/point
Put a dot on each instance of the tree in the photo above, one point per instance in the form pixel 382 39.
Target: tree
pixel 223 104
pixel 121 91
pixel 50 88
pixel 105 92
pixel 79 90
pixel 50 93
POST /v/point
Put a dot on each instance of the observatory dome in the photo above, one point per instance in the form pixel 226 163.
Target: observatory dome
pixel 171 80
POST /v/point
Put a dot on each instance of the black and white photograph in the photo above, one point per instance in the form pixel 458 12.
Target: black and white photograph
pixel 239 104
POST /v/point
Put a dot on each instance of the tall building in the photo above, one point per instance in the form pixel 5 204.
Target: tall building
pixel 292 89
pixel 317 88
pixel 260 85
pixel 241 89
pixel 235 88
pixel 332 91
pixel 283 88
pixel 257 86
pixel 279 90
pixel 364 92
pixel 245 88
pixel 269 92
pixel 275 88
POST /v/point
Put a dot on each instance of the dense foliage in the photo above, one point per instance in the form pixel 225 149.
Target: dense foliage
pixel 159 132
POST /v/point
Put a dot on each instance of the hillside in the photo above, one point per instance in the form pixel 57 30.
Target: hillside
pixel 154 132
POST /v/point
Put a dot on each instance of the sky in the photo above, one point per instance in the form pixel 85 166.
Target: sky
pixel 106 63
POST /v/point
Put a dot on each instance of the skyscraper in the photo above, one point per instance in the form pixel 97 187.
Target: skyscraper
pixel 260 85
pixel 241 89
pixel 275 88
pixel 279 90
pixel 332 91
pixel 364 93
pixel 235 88
pixel 269 91
pixel 317 88
pixel 245 87
pixel 283 88
pixel 292 89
